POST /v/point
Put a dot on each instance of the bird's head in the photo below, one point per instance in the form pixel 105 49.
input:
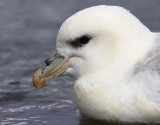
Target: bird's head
pixel 89 41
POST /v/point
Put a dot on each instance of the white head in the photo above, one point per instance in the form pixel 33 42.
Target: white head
pixel 104 39
pixel 95 37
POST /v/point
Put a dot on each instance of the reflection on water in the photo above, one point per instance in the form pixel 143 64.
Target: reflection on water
pixel 98 122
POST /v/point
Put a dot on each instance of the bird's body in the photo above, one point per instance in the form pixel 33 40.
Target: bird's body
pixel 115 61
pixel 135 99
pixel 128 94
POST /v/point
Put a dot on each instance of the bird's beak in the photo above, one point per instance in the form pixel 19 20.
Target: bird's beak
pixel 58 63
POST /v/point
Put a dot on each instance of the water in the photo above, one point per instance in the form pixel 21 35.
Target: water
pixel 28 32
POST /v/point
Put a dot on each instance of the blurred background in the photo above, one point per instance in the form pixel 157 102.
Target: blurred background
pixel 28 30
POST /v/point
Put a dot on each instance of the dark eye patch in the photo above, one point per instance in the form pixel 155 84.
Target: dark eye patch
pixel 81 41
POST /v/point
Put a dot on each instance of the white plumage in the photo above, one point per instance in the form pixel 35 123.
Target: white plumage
pixel 117 72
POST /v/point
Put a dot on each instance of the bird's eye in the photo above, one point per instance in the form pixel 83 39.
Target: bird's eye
pixel 80 41
pixel 84 39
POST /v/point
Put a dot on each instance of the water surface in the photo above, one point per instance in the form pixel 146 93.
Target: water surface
pixel 28 30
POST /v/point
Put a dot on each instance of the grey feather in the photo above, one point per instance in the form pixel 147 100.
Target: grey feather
pixel 147 74
pixel 152 59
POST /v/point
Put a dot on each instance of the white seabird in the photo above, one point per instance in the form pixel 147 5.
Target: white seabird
pixel 115 61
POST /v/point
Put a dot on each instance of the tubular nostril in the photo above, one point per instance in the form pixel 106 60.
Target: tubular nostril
pixel 48 62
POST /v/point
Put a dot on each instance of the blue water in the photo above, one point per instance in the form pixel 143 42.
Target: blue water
pixel 28 30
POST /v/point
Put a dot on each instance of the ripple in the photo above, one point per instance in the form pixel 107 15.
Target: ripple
pixel 67 101
pixel 21 121
pixel 19 109
pixel 15 121
pixel 53 106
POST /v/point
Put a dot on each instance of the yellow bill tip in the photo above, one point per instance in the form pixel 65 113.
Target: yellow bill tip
pixel 38 82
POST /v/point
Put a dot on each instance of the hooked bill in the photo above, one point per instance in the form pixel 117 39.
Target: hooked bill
pixel 59 64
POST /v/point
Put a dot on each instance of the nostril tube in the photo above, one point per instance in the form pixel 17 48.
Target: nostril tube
pixel 48 62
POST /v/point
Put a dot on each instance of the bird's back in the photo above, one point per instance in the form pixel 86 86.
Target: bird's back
pixel 147 74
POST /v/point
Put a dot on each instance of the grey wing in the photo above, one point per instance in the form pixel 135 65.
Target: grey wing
pixel 147 73
pixel 152 60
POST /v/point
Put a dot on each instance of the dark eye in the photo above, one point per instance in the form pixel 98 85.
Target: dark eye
pixel 84 39
pixel 80 41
